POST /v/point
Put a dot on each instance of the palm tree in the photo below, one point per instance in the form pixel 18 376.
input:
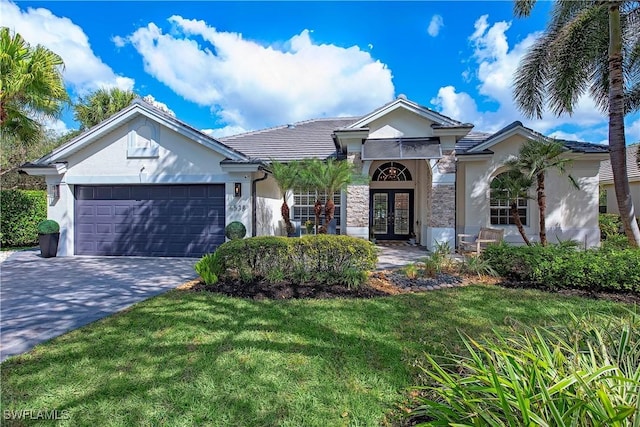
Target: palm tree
pixel 287 175
pixel 511 186
pixel 535 159
pixel 311 178
pixel 32 88
pixel 330 177
pixel 338 174
pixel 587 45
pixel 100 105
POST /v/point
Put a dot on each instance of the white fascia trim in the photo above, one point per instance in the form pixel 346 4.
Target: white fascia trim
pixel 398 103
pixel 125 115
pixel 587 156
pixel 53 170
pixel 239 167
pixel 148 179
pixel 459 131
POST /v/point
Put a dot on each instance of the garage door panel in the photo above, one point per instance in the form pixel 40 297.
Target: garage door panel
pixel 149 220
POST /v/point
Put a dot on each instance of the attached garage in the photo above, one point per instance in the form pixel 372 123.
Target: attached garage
pixel 149 220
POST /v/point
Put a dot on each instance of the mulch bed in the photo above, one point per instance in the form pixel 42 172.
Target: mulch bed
pixel 380 284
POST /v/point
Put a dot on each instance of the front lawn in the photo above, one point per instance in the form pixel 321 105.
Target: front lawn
pixel 188 358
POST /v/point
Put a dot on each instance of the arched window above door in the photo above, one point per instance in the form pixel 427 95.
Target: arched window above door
pixel 392 171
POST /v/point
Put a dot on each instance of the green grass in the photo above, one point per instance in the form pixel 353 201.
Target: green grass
pixel 204 359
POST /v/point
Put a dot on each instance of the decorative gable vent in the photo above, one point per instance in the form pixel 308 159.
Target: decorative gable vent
pixel 142 140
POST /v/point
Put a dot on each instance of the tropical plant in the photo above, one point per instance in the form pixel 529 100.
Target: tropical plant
pixel 511 186
pixel 32 88
pixel 582 373
pixel 535 159
pixel 587 45
pixel 337 177
pixel 100 105
pixel 287 176
pixel 329 177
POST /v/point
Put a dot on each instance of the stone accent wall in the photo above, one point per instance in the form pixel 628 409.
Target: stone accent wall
pixel 443 204
pixel 447 163
pixel 358 206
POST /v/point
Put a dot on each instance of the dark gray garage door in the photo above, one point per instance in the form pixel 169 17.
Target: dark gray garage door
pixel 149 220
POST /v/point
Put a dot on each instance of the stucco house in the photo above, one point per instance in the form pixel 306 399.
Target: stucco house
pixel 145 183
pixel 606 182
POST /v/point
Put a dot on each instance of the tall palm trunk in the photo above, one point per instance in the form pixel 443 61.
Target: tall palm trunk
pixel 317 210
pixel 516 218
pixel 542 207
pixel 616 128
pixel 329 211
pixel 285 212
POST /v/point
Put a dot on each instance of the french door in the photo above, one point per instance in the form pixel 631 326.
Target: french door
pixel 391 214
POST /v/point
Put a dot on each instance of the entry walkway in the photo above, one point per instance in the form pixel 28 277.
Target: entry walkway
pixel 394 254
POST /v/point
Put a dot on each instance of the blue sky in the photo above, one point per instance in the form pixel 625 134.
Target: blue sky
pixel 228 67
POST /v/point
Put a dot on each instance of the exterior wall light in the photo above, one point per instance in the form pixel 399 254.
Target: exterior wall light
pixel 237 189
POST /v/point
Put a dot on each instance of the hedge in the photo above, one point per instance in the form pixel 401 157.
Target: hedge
pixel 21 211
pixel 330 259
pixel 563 266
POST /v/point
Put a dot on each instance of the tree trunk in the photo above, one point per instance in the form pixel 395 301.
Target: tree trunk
pixel 317 210
pixel 284 210
pixel 542 207
pixel 617 148
pixel 516 218
pixel 329 210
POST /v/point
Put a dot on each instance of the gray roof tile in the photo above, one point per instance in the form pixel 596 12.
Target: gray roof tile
pixel 302 140
pixel 633 169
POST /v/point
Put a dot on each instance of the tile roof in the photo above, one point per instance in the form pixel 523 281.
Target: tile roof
pixel 473 139
pixel 307 139
pixel 633 169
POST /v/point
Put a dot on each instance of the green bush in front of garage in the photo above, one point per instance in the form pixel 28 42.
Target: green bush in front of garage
pixel 20 213
pixel 329 259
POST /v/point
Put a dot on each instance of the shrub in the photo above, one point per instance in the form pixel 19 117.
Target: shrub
pixel 584 373
pixel 235 230
pixel 327 258
pixel 477 265
pixel 561 266
pixel 21 212
pixel 209 268
pixel 48 226
pixel 610 225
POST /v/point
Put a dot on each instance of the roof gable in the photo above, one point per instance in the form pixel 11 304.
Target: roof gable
pixel 517 128
pixel 139 108
pixel 403 103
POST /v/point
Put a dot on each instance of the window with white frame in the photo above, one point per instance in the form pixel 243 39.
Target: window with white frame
pixel 302 210
pixel 500 208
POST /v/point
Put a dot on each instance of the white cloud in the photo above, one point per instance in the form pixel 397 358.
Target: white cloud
pixel 84 71
pixel 493 64
pixel 435 25
pixel 224 131
pixel 249 85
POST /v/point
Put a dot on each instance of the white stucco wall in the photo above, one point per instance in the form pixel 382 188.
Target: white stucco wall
pixel 400 123
pixel 612 202
pixel 571 214
pixel 179 160
pixel 268 203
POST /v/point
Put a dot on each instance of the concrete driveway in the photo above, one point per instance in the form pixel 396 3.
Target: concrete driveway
pixel 43 298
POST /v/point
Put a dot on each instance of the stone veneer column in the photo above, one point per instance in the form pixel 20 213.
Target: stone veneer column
pixel 443 201
pixel 357 201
